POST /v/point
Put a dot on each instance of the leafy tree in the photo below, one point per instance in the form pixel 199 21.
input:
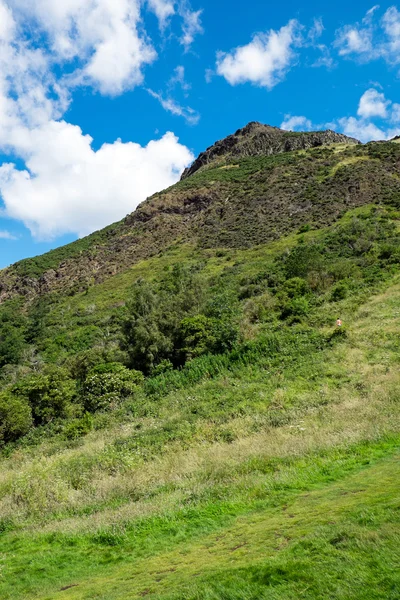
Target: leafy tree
pixel 302 260
pixel 296 287
pixel 50 394
pixel 12 336
pixel 199 335
pixel 15 417
pixel 107 384
pixel 36 325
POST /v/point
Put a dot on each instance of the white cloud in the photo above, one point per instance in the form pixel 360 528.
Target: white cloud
pixel 391 26
pixel 373 38
pixel 264 61
pixel 101 35
pixel 70 188
pixel 6 235
pixel 373 104
pixel 178 78
pixel 189 114
pixel 316 30
pixel 395 113
pixel 325 60
pixel 296 123
pixel 365 131
pixel 351 40
pixel 163 9
pixel 191 24
pixel 7 23
pixel 66 186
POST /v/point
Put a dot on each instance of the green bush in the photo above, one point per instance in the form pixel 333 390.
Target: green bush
pixel 15 417
pixel 296 287
pixel 296 307
pixel 199 335
pixel 106 385
pixel 339 292
pixel 50 393
pixel 78 427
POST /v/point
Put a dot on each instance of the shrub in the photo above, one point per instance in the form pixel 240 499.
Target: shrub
pixel 302 260
pixel 15 417
pixel 198 335
pixel 78 427
pixel 108 384
pixel 297 307
pixel 339 292
pixel 50 394
pixel 296 287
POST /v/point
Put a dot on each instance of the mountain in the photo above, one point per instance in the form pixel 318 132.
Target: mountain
pixel 251 188
pixel 201 401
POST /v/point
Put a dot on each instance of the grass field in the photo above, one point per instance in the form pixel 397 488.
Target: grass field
pixel 273 480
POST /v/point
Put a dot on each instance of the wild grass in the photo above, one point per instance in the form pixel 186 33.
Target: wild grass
pixel 271 480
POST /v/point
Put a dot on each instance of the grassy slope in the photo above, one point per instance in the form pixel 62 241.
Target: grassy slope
pixel 307 507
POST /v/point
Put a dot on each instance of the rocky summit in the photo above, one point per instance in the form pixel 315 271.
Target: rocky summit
pixel 257 139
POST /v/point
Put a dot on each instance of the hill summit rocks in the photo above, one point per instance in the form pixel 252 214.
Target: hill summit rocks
pixel 257 139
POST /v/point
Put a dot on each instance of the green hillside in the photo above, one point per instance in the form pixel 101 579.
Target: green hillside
pixel 180 416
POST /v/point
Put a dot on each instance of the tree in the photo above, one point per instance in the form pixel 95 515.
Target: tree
pixel 12 336
pixel 108 384
pixel 15 417
pixel 50 394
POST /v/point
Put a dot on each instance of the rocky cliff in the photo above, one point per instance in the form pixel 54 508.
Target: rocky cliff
pixel 257 139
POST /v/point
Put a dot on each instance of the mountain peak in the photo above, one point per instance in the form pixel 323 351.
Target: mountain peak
pixel 256 139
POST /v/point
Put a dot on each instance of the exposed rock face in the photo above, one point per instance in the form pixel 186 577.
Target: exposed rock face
pixel 258 139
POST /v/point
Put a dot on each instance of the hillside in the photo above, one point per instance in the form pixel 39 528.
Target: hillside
pixel 263 190
pixel 180 418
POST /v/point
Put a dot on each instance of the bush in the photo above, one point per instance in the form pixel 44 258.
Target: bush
pixel 339 292
pixel 296 287
pixel 78 427
pixel 50 394
pixel 297 307
pixel 108 384
pixel 198 335
pixel 15 417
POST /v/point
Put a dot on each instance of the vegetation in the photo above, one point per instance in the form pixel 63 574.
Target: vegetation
pixel 197 427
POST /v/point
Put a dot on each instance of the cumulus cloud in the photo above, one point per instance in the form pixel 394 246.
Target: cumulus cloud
pixel 351 40
pixel 363 130
pixel 395 113
pixel 102 37
pixel 373 104
pixel 264 61
pixel 373 38
pixel 296 123
pixel 69 188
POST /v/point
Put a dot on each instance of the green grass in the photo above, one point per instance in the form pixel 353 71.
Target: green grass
pixel 236 508
pixel 329 528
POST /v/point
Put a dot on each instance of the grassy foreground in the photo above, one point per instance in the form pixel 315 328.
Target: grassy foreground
pixel 301 506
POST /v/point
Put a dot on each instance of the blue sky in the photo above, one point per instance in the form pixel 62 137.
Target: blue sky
pixel 104 102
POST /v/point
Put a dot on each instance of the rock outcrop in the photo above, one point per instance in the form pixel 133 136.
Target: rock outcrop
pixel 257 139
